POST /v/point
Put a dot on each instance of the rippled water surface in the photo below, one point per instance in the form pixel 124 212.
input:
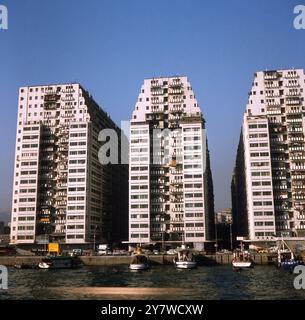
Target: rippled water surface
pixel 218 282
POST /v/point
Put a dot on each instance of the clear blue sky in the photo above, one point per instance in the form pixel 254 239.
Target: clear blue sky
pixel 111 46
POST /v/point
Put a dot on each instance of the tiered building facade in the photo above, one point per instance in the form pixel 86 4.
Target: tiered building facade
pixel 170 182
pixel 268 186
pixel 61 191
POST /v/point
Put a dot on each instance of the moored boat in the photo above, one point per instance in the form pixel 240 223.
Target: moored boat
pixel 185 258
pixel 242 259
pixel 286 259
pixel 59 262
pixel 139 261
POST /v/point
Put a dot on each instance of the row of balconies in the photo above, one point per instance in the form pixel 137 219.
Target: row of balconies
pixel 157 110
pixel 299 197
pixel 293 94
pixel 176 191
pixel 176 109
pixel 173 220
pixel 60 221
pixel 293 101
pixel 293 85
pixel 298 177
pixel 297 167
pixel 295 139
pixel 295 129
pixel 302 157
pixel 156 92
pixel 157 101
pixel 279 177
pixel 300 227
pixel 296 148
pixel 176 91
pixel 299 186
pixel 280 187
pixel 67 99
pixel 176 181
pixel 294 111
pixel 155 84
pixel 159 181
pixel 160 200
pixel 292 120
pixel 271 75
pixel 176 118
pixel 176 200
pixel 176 100
pixel 291 75
pixel 272 85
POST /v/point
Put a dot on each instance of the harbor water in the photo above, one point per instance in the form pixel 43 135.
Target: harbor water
pixel 160 282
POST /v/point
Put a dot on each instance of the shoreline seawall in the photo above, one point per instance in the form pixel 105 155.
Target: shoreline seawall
pixel 218 259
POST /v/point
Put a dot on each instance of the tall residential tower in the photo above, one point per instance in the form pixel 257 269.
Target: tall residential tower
pixel 170 191
pixel 268 186
pixel 61 191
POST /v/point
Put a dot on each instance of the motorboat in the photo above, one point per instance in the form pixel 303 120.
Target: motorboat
pixel 185 258
pixel 139 261
pixel 242 259
pixel 59 262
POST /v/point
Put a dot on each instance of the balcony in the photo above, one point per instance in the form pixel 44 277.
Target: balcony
pixel 297 167
pixel 271 85
pixel 299 187
pixel 176 91
pixel 177 100
pixel 296 139
pixel 157 110
pixel 298 176
pixel 176 220
pixel 271 75
pixel 272 103
pixel 291 75
pixel 176 109
pixel 300 227
pixel 175 84
pixel 297 157
pixel 177 209
pixel 61 221
pixel 293 93
pixel 50 105
pixel 176 190
pixel 51 97
pixel 155 84
pixel 294 101
pixel 157 93
pixel 293 84
pixel 294 148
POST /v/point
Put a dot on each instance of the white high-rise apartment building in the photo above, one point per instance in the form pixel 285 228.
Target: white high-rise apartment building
pixel 61 191
pixel 268 189
pixel 170 183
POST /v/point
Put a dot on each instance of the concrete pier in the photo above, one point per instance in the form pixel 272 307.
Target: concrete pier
pixel 204 260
